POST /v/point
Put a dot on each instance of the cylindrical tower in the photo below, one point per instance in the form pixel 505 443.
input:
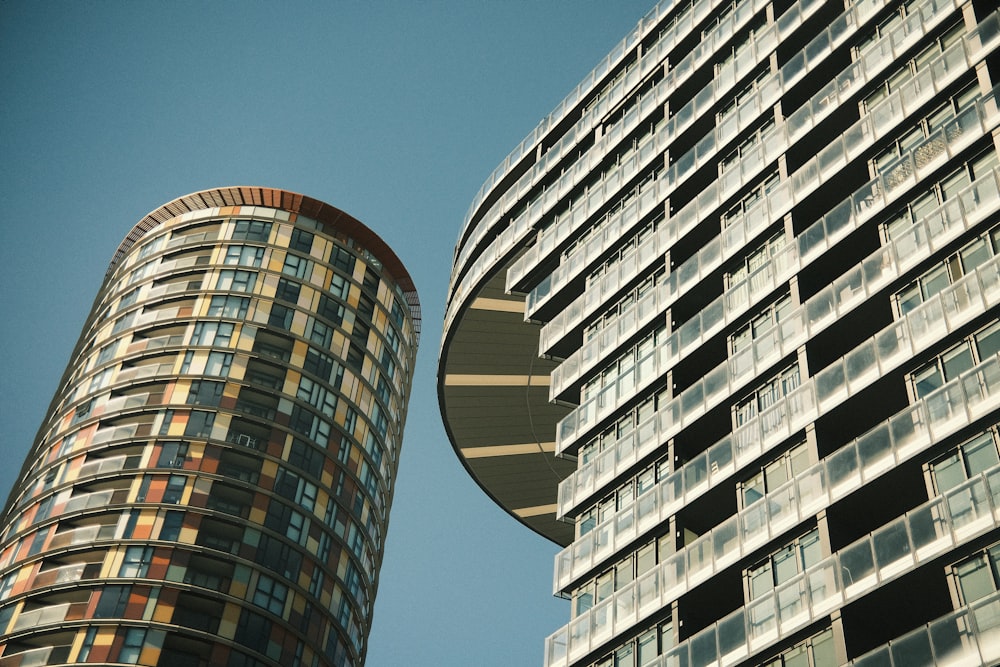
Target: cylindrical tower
pixel 212 482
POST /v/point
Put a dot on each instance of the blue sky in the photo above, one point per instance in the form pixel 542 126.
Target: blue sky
pixel 392 111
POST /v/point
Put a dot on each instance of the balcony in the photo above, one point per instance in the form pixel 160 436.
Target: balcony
pixel 945 522
pixel 894 345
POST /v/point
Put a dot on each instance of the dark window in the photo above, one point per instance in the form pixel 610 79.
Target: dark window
pixel 278 556
pixel 175 489
pixel 366 306
pixel 301 240
pixel 252 230
pixel 199 424
pixel 171 528
pixel 342 259
pixel 253 631
pixel 370 281
pixel 281 316
pixel 397 313
pixel 360 333
pixel 287 290
pixel 278 516
pixel 305 456
pixel 205 392
pixel 331 310
pixel 318 363
pixel 172 454
pixel 113 601
pixel 355 357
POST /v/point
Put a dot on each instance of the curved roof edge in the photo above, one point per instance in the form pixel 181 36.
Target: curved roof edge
pixel 285 200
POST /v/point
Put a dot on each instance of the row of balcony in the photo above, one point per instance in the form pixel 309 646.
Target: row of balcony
pixel 967 637
pixel 820 236
pixel 862 135
pixel 519 228
pixel 885 351
pixel 776 141
pixel 738 298
pixel 651 58
pixel 680 121
pixel 906 434
pixel 840 297
pixel 943 523
pixel 941 226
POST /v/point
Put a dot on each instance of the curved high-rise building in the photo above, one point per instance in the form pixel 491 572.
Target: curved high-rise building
pixel 724 326
pixel 212 482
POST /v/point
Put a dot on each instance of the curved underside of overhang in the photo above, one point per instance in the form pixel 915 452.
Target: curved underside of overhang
pixel 493 391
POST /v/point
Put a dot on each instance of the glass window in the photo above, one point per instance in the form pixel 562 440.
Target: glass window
pixel 228 306
pixel 251 230
pixel 766 395
pixel 331 310
pixel 132 645
pixel 281 316
pixel 218 363
pixel 199 424
pixel 342 259
pixel 218 334
pixel 235 280
pixel 784 564
pixel 113 601
pixel 965 461
pixel 287 290
pixel 253 631
pixel 244 255
pixel 977 576
pixel 301 240
pixel 321 334
pixel 173 520
pixel 956 361
pixel 297 267
pixel 172 454
pixel 988 341
pixel 927 379
pixel 136 562
pixel 270 594
pixel 205 392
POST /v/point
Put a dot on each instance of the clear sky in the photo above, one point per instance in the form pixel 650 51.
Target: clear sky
pixel 394 112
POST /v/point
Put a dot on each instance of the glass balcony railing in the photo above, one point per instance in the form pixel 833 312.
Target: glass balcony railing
pixel 82 535
pixel 101 466
pixel 610 234
pixel 60 575
pixel 942 225
pixel 917 537
pixel 678 75
pixel 111 433
pixel 133 373
pixel 519 227
pixel 964 129
pixel 863 134
pixel 761 100
pixel 88 501
pixel 50 615
pixel 652 58
pixel 36 657
pixel 698 156
pixel 119 403
pixel 895 344
pixel 969 636
pixel 612 97
pixel 906 434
